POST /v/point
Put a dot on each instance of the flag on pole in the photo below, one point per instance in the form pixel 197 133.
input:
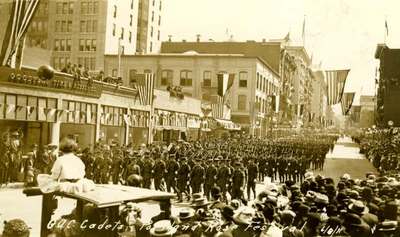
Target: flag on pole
pixel 335 80
pixel 386 30
pixel 347 102
pixel 145 85
pixel 225 82
pixel 22 12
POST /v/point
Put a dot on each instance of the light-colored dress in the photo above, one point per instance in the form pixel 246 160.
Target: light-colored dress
pixel 67 175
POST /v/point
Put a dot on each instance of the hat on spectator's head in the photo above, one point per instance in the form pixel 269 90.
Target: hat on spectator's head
pixel 15 228
pixel 390 210
pixel 287 216
pixel 309 175
pixel 228 212
pixel 345 177
pixel 185 213
pixel 244 216
pixel 303 210
pixel 358 208
pixel 162 228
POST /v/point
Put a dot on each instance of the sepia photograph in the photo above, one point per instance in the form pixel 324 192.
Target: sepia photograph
pixel 199 118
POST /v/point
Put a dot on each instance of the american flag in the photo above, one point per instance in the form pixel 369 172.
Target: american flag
pixel 217 109
pixel 145 85
pixel 335 80
pixel 22 12
pixel 347 102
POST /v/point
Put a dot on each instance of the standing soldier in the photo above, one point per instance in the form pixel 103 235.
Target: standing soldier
pixel 252 171
pixel 147 171
pixel 211 174
pixel 105 167
pixel 223 178
pixel 238 181
pixel 159 172
pixel 197 177
pixel 172 171
pixel 44 160
pixel 116 166
pixel 183 178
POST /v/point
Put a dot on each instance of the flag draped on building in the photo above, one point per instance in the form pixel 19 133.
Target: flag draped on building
pixel 22 12
pixel 145 85
pixel 225 82
pixel 217 109
pixel 335 80
pixel 347 102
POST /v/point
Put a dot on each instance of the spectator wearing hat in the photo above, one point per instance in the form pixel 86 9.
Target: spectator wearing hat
pixel 312 225
pixel 243 219
pixel 162 228
pixel 272 226
pixel 355 227
pixel 16 228
pixel 287 218
pixel 165 213
pixel 216 196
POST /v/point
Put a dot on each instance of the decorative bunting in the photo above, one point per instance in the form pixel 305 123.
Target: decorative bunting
pixel 127 119
pixel 51 112
pixel 10 108
pixel 88 114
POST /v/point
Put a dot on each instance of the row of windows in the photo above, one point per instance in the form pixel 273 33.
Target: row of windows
pixel 89 7
pixel 88 26
pixel 60 62
pixel 87 62
pixel 78 112
pixel 152 33
pixel 167 76
pixel 62 45
pixel 264 85
pixel 39 107
pixel 39 42
pixel 65 8
pixel 38 26
pixel 87 45
pixel 153 17
pixel 122 35
pixel 42 9
pixel 63 26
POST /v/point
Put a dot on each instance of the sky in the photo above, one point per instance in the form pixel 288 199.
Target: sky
pixel 342 34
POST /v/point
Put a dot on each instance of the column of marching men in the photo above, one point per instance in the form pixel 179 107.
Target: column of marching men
pixel 233 165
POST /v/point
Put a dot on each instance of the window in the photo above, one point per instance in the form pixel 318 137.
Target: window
pixel 122 32
pixel 81 45
pixel 88 44
pixel 186 78
pixel 68 45
pixel 207 78
pixel 95 7
pixel 131 20
pixel 131 4
pixel 94 26
pixel 166 77
pixel 83 7
pixel 158 35
pixel 242 100
pixel 62 45
pixel 69 27
pixel 94 45
pixel 92 63
pixel 115 11
pixel 71 8
pixel 151 32
pixel 243 79
pixel 147 71
pixel 114 72
pixel 58 26
pixel 152 16
pixel 90 7
pixel 83 26
pixel 89 26
pixel 113 31
pixel 56 45
pixel 65 8
pixel 132 76
pixel 151 47
pixel 160 5
pixel 59 8
pixel 159 20
pixel 130 37
pixel 63 26
pixel 154 3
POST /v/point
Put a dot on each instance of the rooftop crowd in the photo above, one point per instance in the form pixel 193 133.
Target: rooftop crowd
pixel 292 202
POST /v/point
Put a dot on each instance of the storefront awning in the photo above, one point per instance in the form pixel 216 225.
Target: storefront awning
pixel 227 124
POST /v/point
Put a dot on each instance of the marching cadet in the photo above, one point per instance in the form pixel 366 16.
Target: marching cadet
pixel 197 177
pixel 105 167
pixel 183 179
pixel 223 179
pixel 252 171
pixel 211 174
pixel 238 181
pixel 117 162
pixel 172 167
pixel 147 170
pixel 159 172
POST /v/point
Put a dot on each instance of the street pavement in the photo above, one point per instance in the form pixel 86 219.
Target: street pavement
pixel 344 158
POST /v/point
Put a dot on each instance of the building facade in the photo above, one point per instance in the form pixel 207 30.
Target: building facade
pixel 149 26
pixel 319 101
pixel 196 74
pixel 367 111
pixel 388 93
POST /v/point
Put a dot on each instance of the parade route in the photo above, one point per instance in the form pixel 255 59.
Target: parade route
pixel 345 158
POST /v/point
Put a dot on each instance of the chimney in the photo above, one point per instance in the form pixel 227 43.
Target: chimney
pixel 169 38
pixel 184 40
pixel 198 38
pixel 264 40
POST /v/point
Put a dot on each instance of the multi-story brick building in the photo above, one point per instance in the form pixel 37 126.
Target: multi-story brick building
pixel 149 26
